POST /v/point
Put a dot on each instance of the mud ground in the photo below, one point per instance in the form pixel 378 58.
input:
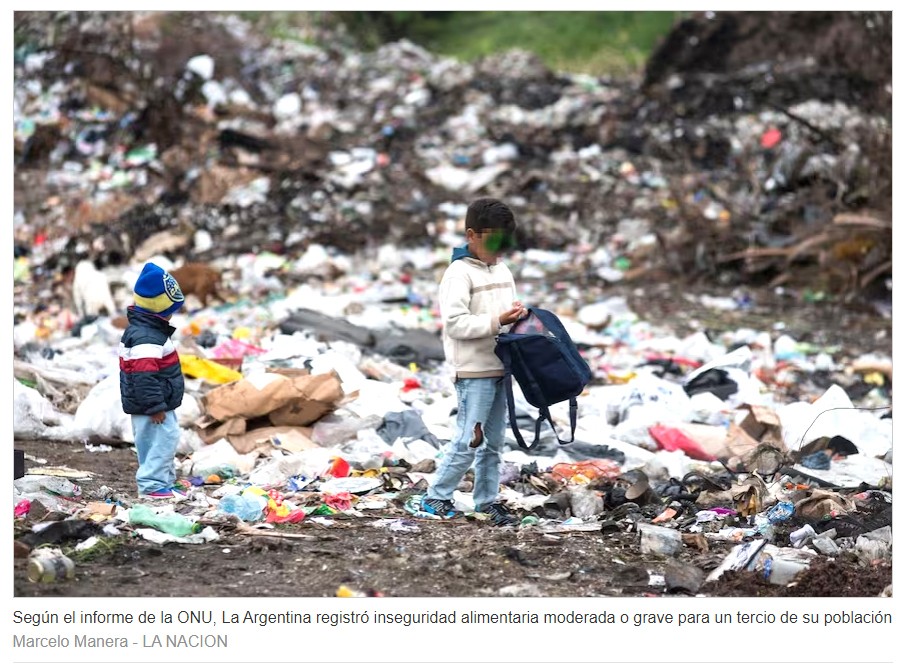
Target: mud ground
pixel 449 559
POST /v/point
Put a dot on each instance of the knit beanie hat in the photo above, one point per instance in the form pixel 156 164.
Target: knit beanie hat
pixel 157 291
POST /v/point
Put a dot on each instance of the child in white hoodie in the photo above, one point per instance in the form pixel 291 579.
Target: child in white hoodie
pixel 477 299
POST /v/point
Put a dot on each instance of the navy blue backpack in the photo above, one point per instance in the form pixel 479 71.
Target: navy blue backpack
pixel 539 354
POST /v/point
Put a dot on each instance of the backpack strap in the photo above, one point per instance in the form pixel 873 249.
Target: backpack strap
pixel 573 414
pixel 504 353
pixel 544 414
pixel 512 415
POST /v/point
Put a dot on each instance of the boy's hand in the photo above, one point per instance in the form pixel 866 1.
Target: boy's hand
pixel 513 314
pixel 157 418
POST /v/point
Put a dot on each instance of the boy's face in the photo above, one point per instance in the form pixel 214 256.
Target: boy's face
pixel 489 244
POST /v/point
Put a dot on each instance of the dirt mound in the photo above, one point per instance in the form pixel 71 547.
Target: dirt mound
pixel 824 578
pixel 730 61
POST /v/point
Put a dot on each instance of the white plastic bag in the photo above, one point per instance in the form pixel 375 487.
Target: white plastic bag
pixel 35 417
pixel 101 414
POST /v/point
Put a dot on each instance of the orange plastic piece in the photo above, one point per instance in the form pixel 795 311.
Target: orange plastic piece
pixel 584 471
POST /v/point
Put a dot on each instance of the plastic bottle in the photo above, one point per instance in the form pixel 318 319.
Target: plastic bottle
pixel 49 565
pixel 172 523
pixel 58 486
pixel 247 507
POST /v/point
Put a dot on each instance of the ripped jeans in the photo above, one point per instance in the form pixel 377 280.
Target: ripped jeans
pixel 481 419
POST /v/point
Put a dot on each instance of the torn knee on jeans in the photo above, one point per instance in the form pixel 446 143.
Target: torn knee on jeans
pixel 477 439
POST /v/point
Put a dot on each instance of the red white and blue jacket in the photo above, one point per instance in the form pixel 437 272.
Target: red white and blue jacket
pixel 150 375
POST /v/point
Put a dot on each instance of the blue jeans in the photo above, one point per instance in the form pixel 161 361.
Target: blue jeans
pixel 156 445
pixel 480 401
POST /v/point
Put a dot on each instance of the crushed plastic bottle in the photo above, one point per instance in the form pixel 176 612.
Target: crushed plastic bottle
pixel 172 523
pixel 799 538
pixel 57 486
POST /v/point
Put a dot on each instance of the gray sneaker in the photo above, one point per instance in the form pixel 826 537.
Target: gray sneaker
pixel 499 515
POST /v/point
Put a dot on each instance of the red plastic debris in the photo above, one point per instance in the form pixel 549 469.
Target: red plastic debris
pixel 411 384
pixel 338 467
pixel 22 508
pixel 340 501
pixel 671 440
pixel 292 517
pixel 770 138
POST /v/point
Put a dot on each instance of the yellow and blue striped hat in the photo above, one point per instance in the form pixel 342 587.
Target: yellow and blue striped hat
pixel 157 291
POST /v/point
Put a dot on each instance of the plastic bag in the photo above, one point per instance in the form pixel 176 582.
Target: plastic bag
pixel 209 370
pixel 101 414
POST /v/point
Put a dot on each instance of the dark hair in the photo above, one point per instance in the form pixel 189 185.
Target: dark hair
pixel 486 213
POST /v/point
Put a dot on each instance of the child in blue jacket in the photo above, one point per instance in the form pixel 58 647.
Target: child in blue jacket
pixel 151 381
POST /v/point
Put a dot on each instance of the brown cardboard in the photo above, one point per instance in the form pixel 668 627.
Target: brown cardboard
pixel 295 400
pixel 763 424
pixel 290 439
pixel 739 442
pixel 319 396
pixel 104 509
pixel 211 430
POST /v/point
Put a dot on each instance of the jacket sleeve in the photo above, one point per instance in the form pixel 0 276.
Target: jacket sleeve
pixel 457 319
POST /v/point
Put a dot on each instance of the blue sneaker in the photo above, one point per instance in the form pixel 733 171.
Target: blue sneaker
pixel 444 509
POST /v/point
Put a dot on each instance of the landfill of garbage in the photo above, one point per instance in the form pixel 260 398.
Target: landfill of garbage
pixel 323 189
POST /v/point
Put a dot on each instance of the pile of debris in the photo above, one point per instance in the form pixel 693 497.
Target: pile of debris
pixel 720 163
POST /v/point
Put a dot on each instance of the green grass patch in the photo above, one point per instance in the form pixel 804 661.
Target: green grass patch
pixel 598 43
pixel 105 546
